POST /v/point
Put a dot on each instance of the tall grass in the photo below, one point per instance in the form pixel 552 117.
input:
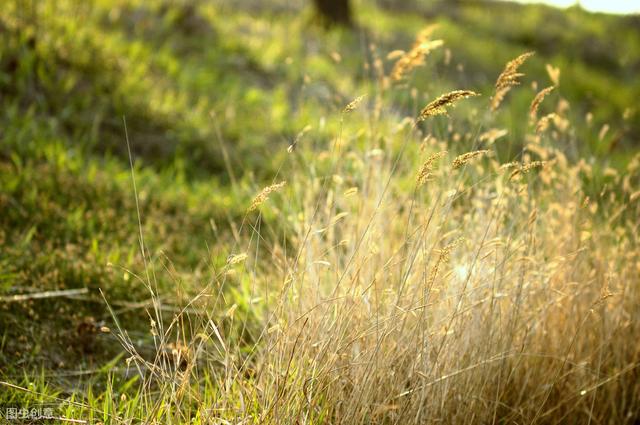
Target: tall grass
pixel 405 273
pixel 462 290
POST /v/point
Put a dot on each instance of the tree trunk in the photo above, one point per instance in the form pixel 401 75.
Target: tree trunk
pixel 334 12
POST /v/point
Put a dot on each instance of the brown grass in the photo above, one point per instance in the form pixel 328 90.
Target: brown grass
pixel 463 159
pixel 353 104
pixel 264 195
pixel 425 173
pixel 439 105
pixel 508 79
pixel 415 57
pixel 535 104
pixel 479 299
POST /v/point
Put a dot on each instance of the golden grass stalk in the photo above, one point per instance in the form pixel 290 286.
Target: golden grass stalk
pixel 444 255
pixel 236 258
pixel 525 168
pixel 513 164
pixel 554 74
pixel 395 54
pixel 543 123
pixel 439 106
pixel 264 195
pixel 300 135
pixel 533 109
pixel 425 173
pixel 492 135
pixel 466 157
pixel 508 79
pixel 425 34
pixel 353 104
pixel 414 58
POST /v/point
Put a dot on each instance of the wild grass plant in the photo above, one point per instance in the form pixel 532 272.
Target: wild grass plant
pixel 465 290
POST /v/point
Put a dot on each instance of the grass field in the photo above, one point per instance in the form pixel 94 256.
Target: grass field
pixel 222 212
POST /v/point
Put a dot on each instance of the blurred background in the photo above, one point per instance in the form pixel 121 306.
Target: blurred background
pixel 264 68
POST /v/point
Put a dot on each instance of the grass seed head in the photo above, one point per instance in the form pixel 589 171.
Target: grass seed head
pixel 466 157
pixel 554 74
pixel 444 255
pixel 264 195
pixel 236 258
pixel 525 168
pixel 533 109
pixel 508 165
pixel 439 106
pixel 543 123
pixel 492 135
pixel 508 79
pixel 353 104
pixel 424 175
pixel 414 58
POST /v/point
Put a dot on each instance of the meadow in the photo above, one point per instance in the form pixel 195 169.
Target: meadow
pixel 218 212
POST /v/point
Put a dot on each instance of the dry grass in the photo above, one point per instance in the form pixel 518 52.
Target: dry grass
pixel 415 57
pixel 463 159
pixel 264 195
pixel 544 122
pixel 351 106
pixel 439 105
pixel 535 104
pixel 508 79
pixel 482 298
pixel 426 171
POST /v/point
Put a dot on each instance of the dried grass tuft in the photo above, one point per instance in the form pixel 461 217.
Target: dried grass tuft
pixel 533 109
pixel 264 195
pixel 236 258
pixel 508 79
pixel 525 168
pixel 414 58
pixel 439 106
pixel 425 173
pixel 466 157
pixel 543 123
pixel 353 104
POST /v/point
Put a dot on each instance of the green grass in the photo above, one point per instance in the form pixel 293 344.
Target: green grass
pixel 213 93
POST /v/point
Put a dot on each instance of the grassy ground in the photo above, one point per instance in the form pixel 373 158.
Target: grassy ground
pixel 354 294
